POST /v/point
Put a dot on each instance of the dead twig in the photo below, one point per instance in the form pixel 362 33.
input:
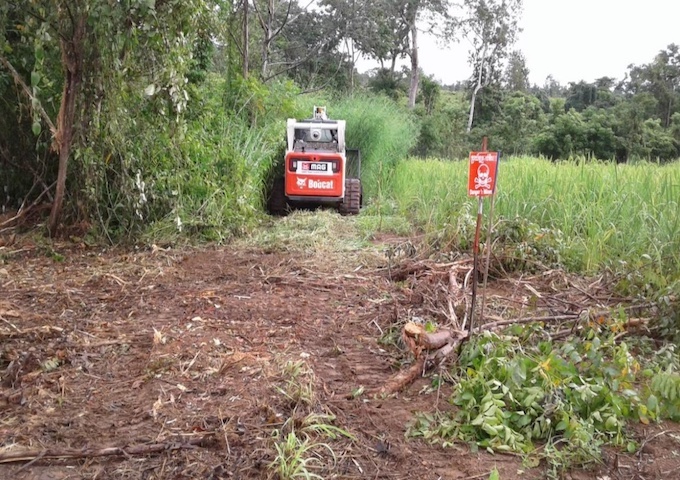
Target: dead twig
pixel 53 453
pixel 547 318
pixel 24 211
pixel 403 378
pixel 43 330
pixel 649 439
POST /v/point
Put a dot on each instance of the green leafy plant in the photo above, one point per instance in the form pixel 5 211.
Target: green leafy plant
pixel 572 397
pixel 665 395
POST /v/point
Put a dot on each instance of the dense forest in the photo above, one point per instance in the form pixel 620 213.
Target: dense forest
pixel 143 116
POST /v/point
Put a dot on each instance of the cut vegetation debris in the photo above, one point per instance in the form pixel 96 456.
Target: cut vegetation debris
pixel 308 350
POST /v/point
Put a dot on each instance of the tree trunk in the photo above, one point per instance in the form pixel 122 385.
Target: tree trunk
pixel 351 69
pixel 478 87
pixel 350 49
pixel 72 62
pixel 415 73
pixel 471 115
pixel 268 36
pixel 246 38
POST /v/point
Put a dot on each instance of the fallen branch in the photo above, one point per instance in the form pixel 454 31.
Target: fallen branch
pixel 23 211
pixel 420 342
pixel 43 330
pixel 403 378
pixel 446 344
pixel 551 318
pixel 53 453
pixel 103 343
pixel 456 297
pixel 410 270
pixel 636 323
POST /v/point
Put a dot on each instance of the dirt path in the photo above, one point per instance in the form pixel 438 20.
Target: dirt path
pixel 231 349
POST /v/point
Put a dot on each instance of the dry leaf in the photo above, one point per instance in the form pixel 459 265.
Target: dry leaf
pixel 157 405
pixel 51 364
pixel 158 337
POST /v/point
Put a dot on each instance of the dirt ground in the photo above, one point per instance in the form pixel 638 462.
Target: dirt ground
pixel 184 363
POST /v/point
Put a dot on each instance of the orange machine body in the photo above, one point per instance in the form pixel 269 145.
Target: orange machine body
pixel 315 175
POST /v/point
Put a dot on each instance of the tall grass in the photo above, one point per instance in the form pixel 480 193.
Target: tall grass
pixel 605 212
pixel 199 175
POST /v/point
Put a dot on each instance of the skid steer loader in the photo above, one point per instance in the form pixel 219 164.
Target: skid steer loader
pixel 318 170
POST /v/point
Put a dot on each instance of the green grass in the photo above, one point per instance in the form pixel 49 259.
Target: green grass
pixel 603 212
pixel 303 441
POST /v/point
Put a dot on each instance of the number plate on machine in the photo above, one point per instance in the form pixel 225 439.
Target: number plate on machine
pixel 316 167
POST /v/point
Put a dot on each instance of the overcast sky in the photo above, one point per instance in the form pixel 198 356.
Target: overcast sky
pixel 574 39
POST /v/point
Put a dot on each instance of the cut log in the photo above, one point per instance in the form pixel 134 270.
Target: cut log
pixel 416 334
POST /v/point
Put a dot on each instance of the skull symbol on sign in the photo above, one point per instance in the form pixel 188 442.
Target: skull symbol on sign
pixel 483 179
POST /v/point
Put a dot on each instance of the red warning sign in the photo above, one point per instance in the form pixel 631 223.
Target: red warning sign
pixel 482 176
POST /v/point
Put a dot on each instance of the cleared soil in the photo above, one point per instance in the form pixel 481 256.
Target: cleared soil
pixel 195 363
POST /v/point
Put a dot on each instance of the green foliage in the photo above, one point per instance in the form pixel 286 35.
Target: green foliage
pixel 203 177
pixel 582 95
pixel 564 138
pixel 298 387
pixel 630 120
pixel 668 302
pixel 521 118
pixel 296 440
pixel 296 449
pixel 430 94
pixel 642 279
pixel 440 131
pixel 665 397
pixel 516 73
pixel 523 246
pixel 391 84
pixel 255 102
pixel 132 65
pixel 576 396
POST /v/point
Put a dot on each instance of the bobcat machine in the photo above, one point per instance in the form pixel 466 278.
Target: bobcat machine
pixel 318 169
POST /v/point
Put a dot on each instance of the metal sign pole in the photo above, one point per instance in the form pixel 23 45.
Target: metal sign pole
pixel 475 251
pixel 488 241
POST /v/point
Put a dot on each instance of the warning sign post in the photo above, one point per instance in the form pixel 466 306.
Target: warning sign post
pixel 482 174
pixel 483 170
